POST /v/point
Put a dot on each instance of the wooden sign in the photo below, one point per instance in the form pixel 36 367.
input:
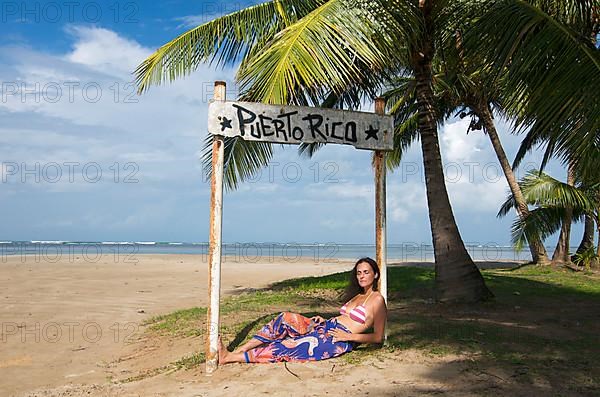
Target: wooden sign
pixel 296 124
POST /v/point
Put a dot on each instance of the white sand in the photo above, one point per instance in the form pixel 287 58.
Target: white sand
pixel 63 322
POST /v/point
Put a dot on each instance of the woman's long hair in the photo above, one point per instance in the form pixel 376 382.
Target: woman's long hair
pixel 353 287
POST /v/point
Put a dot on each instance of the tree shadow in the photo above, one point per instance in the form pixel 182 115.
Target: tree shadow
pixel 244 332
pixel 537 337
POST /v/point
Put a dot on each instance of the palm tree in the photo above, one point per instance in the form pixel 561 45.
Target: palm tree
pixel 456 274
pixel 484 113
pixel 553 199
pixel 456 91
pixel 587 240
pixel 296 52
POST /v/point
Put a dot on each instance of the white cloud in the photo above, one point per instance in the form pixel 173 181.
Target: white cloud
pixel 360 224
pixel 458 146
pixel 348 190
pixel 406 200
pixel 478 197
pixel 92 86
pixel 105 51
pixel 160 132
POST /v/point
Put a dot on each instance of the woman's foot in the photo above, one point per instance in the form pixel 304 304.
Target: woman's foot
pixel 223 352
pixel 226 357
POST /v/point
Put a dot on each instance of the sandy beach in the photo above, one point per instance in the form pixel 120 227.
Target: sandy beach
pixel 70 328
pixel 64 323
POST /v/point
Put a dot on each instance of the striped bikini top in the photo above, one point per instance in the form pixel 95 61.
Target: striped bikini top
pixel 359 313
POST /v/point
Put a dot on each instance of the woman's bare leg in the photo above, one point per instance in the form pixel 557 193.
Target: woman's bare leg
pixel 251 344
pixel 226 357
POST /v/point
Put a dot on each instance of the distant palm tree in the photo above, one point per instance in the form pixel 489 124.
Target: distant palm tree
pixel 552 199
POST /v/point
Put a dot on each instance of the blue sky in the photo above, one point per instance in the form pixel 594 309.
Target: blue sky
pixel 85 159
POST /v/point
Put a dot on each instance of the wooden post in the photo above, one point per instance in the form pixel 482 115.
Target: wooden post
pixel 380 213
pixel 214 245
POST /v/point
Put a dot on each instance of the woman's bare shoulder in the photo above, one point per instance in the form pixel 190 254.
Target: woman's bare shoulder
pixel 378 298
pixel 381 301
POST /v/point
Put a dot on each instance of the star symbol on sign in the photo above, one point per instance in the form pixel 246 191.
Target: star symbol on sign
pixel 371 133
pixel 225 123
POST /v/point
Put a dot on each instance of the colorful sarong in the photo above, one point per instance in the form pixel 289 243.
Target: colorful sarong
pixel 293 337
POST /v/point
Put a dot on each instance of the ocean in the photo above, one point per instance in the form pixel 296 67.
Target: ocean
pixel 53 251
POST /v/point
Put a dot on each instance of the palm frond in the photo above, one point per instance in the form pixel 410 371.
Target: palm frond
pixel 586 167
pixel 542 190
pixel 298 61
pixel 224 40
pixel 540 224
pixel 507 206
pixel 405 134
pixel 308 150
pixel 243 159
pixel 531 140
pixel 551 71
pixel 579 14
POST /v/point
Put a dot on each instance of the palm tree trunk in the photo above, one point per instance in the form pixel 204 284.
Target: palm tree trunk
pixel 596 262
pixel 598 229
pixel 457 278
pixel 598 246
pixel 561 253
pixel 587 240
pixel 538 252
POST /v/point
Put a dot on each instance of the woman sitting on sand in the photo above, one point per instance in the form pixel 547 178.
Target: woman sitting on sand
pixel 293 337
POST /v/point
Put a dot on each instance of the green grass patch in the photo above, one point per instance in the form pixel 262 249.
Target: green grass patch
pixel 180 323
pixel 190 322
pixel 541 282
pixel 191 361
pixel 523 327
pixel 441 336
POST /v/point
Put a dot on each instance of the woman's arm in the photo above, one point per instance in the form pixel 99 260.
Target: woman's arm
pixel 365 338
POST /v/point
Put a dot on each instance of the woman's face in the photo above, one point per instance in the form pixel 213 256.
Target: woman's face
pixel 365 274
